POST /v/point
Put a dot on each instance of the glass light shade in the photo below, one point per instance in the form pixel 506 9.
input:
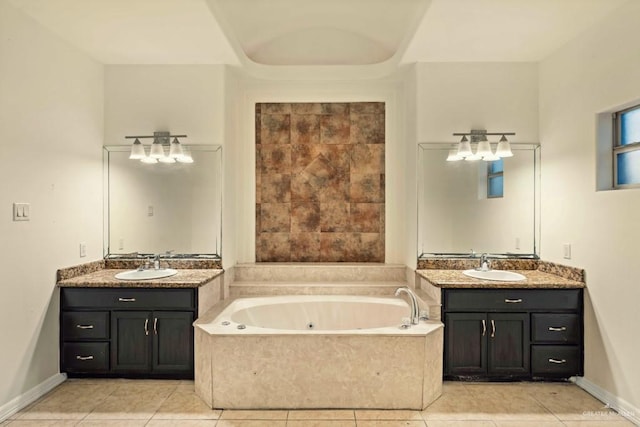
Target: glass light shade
pixel 453 155
pixel 504 148
pixel 137 150
pixel 175 150
pixel 484 149
pixel 473 158
pixel 149 160
pixel 167 159
pixel 157 151
pixel 491 158
pixel 464 147
pixel 186 156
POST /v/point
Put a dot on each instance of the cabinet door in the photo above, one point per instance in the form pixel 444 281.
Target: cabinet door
pixel 508 343
pixel 130 346
pixel 172 341
pixel 465 351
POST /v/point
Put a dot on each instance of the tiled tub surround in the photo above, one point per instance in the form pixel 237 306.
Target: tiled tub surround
pixel 320 182
pixel 387 367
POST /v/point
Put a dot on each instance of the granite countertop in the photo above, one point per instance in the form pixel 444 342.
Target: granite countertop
pixel 105 278
pixel 535 279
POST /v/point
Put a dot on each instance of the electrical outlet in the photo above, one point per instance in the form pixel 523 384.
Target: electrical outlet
pixel 21 212
pixel 83 250
pixel 566 250
pixel 150 211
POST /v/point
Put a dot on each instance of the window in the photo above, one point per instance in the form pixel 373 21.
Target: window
pixel 495 179
pixel 626 147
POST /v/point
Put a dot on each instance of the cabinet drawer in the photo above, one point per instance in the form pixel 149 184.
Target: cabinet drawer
pixel 85 357
pixel 85 325
pixel 560 328
pixel 556 360
pixel 125 298
pixel 511 299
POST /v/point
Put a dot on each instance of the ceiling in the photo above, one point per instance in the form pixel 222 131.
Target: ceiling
pixel 316 33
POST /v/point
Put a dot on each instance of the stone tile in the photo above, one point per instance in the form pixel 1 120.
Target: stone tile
pixel 130 407
pixel 395 423
pixel 273 247
pixel 113 423
pixel 275 159
pixel 302 190
pixel 369 248
pixel 335 217
pixel 146 389
pixel 185 405
pixel 338 155
pixel 305 129
pixel 365 217
pixel 603 423
pixel 305 247
pixel 367 107
pixel 570 403
pixel 318 172
pixel 180 423
pixel 335 246
pixel 367 158
pixel 367 129
pixel 321 415
pixel 366 188
pixel 275 129
pixel 321 423
pixel 528 424
pixel 275 217
pixel 458 407
pixel 306 108
pixel 233 414
pixel 251 423
pixel 43 423
pixel 274 108
pixel 335 129
pixel 275 188
pixel 67 402
pixel 388 415
pixel 336 189
pixel 302 155
pixel 335 108
pixel 470 423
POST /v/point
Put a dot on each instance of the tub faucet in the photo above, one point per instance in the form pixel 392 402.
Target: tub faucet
pixel 415 309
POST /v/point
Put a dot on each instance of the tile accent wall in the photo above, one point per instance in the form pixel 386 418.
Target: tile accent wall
pixel 320 182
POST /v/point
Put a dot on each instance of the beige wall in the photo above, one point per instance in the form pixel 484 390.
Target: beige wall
pixel 51 128
pixel 592 74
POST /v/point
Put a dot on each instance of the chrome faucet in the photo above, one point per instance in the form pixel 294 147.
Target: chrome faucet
pixel 415 308
pixel 484 263
pixel 156 262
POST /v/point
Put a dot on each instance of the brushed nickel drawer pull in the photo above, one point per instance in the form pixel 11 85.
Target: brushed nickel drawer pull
pixel 484 327
pixel 146 326
pixel 559 362
pixel 513 301
pixel 84 326
pixel 155 326
pixel 557 328
pixel 493 328
pixel 84 357
pixel 126 299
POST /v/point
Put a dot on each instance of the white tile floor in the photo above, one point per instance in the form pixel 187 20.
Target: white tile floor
pixel 174 403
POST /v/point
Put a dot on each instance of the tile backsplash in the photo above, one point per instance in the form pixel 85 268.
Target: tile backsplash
pixel 320 182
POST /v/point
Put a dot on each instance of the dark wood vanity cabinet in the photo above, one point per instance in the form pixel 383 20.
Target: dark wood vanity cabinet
pixel 127 332
pixel 512 333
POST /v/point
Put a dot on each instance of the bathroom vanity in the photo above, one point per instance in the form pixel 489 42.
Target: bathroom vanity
pixel 500 330
pixel 139 329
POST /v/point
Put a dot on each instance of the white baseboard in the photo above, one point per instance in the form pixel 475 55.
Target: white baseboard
pixel 23 400
pixel 621 406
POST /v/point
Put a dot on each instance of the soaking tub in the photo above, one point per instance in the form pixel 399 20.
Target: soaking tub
pixel 316 351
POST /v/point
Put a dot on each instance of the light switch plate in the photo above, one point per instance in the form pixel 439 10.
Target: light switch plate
pixel 21 211
pixel 566 250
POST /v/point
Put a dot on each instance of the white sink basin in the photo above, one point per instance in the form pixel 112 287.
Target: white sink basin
pixel 501 275
pixel 146 274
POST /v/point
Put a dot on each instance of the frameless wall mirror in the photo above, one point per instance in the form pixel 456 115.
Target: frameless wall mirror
pixel 160 208
pixel 485 207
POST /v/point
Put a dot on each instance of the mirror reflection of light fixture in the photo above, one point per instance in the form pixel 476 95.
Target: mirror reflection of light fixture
pixel 186 156
pixel 157 153
pixel 483 150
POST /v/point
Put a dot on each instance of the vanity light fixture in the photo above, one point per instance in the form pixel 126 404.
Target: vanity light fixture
pixel 483 148
pixel 157 153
